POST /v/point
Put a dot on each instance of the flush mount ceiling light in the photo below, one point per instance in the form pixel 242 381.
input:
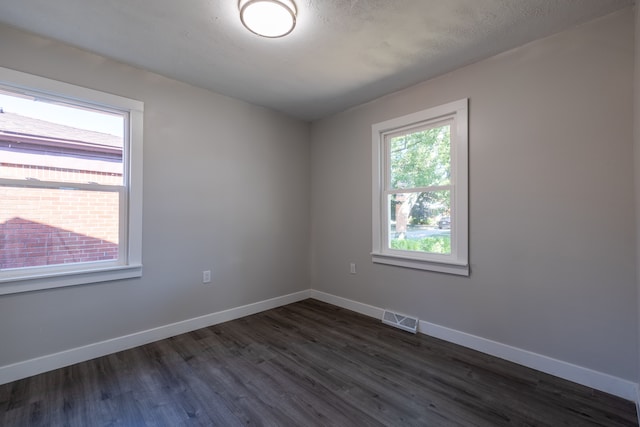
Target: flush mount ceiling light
pixel 268 18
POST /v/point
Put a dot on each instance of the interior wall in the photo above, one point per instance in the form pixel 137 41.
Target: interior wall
pixel 636 160
pixel 226 188
pixel 551 201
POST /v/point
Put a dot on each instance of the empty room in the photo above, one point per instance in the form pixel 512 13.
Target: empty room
pixel 314 213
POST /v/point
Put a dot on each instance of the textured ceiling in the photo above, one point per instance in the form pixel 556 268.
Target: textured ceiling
pixel 342 52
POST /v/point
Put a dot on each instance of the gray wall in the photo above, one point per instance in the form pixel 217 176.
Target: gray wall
pixel 636 158
pixel 226 187
pixel 552 245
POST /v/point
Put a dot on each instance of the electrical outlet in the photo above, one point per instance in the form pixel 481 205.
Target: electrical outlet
pixel 352 268
pixel 206 276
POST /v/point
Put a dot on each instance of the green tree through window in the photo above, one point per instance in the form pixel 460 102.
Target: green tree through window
pixel 420 163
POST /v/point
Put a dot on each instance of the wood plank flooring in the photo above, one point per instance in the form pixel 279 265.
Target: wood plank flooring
pixel 305 364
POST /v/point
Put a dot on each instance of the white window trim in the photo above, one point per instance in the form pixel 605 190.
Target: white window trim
pixel 458 261
pixel 47 277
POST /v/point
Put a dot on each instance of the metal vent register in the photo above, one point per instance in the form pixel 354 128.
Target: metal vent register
pixel 406 323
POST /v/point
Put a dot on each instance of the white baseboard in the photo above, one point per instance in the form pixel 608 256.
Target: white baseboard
pixel 578 374
pixel 50 362
pixel 568 371
pixel 585 376
pixel 358 307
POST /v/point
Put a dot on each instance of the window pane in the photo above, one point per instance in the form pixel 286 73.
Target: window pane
pixel 420 222
pixel 421 159
pixel 41 227
pixel 54 142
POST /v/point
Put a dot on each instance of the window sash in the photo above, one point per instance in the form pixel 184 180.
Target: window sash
pixel 7 274
pixel 389 189
pixel 418 189
pixel 407 130
pixel 388 238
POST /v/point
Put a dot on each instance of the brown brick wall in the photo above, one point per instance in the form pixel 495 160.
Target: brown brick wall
pixel 52 226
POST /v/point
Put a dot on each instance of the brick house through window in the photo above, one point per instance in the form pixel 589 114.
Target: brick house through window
pixel 53 224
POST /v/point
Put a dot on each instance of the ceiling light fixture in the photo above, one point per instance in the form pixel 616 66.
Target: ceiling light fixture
pixel 268 18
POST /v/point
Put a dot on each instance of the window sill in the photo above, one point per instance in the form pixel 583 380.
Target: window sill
pixel 58 279
pixel 420 264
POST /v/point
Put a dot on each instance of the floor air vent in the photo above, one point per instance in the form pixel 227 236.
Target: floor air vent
pixel 401 321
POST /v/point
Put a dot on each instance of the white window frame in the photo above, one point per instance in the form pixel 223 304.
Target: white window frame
pixel 458 261
pixel 129 264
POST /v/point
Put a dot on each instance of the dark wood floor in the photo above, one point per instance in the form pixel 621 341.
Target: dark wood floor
pixel 305 364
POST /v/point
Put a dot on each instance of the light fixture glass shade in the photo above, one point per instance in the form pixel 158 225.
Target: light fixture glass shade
pixel 268 18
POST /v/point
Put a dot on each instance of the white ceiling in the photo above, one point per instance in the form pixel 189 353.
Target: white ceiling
pixel 342 52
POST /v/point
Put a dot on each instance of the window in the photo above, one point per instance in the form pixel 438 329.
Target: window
pixel 420 190
pixel 70 184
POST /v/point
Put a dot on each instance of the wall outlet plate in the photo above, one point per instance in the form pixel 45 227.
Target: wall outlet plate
pixel 206 276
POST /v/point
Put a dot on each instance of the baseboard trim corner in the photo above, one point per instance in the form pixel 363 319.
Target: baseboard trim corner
pixel 38 365
pixel 597 380
pixel 638 402
pixel 358 307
